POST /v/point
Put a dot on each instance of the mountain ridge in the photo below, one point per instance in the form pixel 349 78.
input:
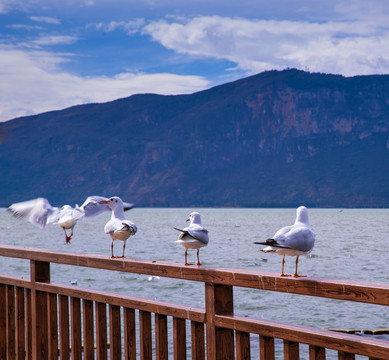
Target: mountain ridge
pixel 278 138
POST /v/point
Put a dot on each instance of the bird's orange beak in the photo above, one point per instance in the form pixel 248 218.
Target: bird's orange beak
pixel 103 202
pixel 188 219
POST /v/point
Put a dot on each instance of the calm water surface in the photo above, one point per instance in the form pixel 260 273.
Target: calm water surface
pixel 350 244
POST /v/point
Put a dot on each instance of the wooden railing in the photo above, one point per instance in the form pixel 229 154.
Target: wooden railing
pixel 44 320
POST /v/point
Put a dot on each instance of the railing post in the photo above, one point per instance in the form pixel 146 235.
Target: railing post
pixel 218 301
pixel 39 272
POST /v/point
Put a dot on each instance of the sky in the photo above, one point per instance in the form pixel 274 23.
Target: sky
pixel 59 53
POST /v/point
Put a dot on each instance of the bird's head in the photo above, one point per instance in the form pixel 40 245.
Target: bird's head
pixel 194 218
pixel 113 202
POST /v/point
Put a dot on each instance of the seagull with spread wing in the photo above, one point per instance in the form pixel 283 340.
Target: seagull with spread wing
pixel 40 212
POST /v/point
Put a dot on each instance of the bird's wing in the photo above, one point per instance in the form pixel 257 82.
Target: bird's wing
pixel 300 238
pixel 54 216
pixel 271 242
pixel 92 206
pixel 127 224
pixel 127 206
pixel 36 211
pixel 199 233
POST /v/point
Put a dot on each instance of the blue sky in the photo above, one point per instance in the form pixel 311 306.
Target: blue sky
pixel 55 54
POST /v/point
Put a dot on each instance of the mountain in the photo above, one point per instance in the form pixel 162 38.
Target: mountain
pixel 276 139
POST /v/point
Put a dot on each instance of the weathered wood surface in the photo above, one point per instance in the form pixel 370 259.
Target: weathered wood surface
pixel 328 288
pixel 318 338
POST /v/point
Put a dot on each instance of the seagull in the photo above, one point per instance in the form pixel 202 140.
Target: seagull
pixel 118 227
pixel 40 212
pixel 294 240
pixel 195 236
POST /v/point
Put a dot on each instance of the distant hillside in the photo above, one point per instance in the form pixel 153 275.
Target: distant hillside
pixel 279 138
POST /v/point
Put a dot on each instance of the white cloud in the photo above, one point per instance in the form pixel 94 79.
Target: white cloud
pixel 55 40
pixel 31 83
pixel 345 47
pixel 130 27
pixel 45 19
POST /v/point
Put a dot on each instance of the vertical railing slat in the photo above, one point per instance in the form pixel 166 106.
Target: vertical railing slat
pixel 88 329
pixel 179 339
pixel 28 325
pixel 39 272
pixel 291 350
pixel 198 343
pixel 129 334
pixel 11 326
pixel 53 326
pixel 316 353
pixel 145 337
pixel 242 345
pixel 75 328
pixel 345 356
pixel 20 324
pixel 115 332
pixel 266 348
pixel 161 337
pixel 3 321
pixel 101 330
pixel 64 342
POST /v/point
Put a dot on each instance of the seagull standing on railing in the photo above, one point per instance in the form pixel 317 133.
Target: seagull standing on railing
pixel 294 240
pixel 195 236
pixel 118 227
pixel 39 212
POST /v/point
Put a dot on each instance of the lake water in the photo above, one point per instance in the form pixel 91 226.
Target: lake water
pixel 350 244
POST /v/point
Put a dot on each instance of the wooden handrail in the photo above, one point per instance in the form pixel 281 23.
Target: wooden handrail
pixel 322 338
pixel 328 288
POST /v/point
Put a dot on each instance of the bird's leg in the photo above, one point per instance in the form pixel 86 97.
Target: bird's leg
pixel 124 248
pixel 295 274
pixel 186 257
pixel 112 250
pixel 282 271
pixel 67 238
pixel 198 257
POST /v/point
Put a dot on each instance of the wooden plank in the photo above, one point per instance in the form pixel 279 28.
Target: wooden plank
pixel 179 339
pixel 319 338
pixel 157 307
pixel 64 339
pixel 20 324
pixel 161 337
pixel 3 321
pixel 75 328
pixel 317 353
pixel 291 350
pixel 88 329
pixel 39 272
pixel 145 338
pixel 198 341
pixel 11 326
pixel 28 309
pixel 242 345
pixel 53 326
pixel 101 330
pixel 345 356
pixel 329 288
pixel 220 341
pixel 266 348
pixel 115 336
pixel 129 334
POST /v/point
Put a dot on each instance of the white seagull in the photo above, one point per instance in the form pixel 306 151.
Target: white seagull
pixel 118 227
pixel 195 236
pixel 294 240
pixel 39 212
